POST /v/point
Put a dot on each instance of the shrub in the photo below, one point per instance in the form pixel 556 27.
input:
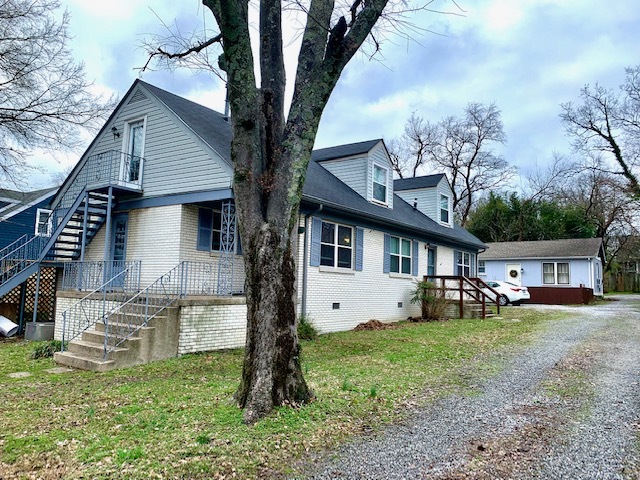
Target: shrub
pixel 306 330
pixel 433 303
pixel 46 349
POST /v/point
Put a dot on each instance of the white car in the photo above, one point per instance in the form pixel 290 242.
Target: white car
pixel 509 292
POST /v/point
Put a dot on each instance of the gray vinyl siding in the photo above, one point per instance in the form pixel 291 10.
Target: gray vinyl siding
pixel 426 198
pixel 175 161
pixel 429 200
pixel 352 171
pixel 378 156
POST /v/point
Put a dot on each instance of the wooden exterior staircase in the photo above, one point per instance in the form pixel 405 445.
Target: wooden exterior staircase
pixel 468 297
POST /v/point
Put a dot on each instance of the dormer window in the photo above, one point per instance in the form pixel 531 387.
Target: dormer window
pixel 444 209
pixel 380 175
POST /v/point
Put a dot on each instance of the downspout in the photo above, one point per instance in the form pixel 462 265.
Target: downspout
pixel 305 259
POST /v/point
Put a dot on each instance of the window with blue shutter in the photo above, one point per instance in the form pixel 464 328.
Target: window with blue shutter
pixel 400 255
pixel 335 245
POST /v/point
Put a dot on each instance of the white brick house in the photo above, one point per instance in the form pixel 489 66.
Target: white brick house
pixel 153 192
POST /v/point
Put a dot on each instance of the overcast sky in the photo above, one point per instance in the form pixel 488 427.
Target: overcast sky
pixel 526 56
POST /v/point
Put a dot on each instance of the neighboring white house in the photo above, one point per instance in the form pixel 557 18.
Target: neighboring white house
pixel 571 263
pixel 151 203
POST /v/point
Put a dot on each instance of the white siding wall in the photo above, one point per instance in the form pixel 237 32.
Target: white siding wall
pixel 426 198
pixel 444 189
pixel 365 295
pixel 378 156
pixel 352 171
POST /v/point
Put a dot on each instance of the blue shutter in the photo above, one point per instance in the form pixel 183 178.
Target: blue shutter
pixel 455 262
pixel 386 262
pixel 414 260
pixel 359 248
pixel 205 219
pixel 316 234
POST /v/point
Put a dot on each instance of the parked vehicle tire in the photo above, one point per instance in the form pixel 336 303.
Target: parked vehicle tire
pixel 503 300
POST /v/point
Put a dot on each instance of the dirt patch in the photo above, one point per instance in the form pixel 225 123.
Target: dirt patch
pixel 375 325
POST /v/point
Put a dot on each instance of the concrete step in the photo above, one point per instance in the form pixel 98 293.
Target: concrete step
pixel 89 349
pixel 81 362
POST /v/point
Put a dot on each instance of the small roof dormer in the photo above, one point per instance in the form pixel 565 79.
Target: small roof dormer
pixel 364 166
pixel 430 194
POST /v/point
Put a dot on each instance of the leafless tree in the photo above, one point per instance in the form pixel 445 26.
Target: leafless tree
pixel 270 152
pixel 607 204
pixel 605 122
pixel 44 96
pixel 461 147
pixel 410 152
pixel 548 181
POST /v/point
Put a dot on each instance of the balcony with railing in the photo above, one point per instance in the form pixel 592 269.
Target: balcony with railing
pixel 110 168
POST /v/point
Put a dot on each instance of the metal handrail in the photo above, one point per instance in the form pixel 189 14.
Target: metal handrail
pixel 86 312
pixel 100 169
pixel 89 275
pixel 11 247
pixel 126 319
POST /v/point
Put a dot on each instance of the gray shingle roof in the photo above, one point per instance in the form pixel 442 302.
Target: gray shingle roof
pixel 23 199
pixel 321 187
pixel 342 151
pixel 426 181
pixel 208 124
pixel 569 248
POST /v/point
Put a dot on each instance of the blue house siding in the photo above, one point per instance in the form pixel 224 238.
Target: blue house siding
pixel 22 223
pixel 579 271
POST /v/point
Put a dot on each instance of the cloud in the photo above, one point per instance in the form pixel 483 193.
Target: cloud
pixel 527 56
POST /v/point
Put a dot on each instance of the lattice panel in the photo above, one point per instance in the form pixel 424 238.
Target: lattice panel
pixel 10 303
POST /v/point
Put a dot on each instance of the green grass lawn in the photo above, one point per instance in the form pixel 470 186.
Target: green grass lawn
pixel 176 418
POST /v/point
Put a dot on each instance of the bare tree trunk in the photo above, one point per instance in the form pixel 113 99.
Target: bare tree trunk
pixel 272 373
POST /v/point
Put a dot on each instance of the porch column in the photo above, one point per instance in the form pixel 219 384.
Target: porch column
pixel 107 238
pixel 35 300
pixel 84 226
pixel 227 249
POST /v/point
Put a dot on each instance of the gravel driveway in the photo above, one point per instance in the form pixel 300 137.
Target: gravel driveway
pixel 565 407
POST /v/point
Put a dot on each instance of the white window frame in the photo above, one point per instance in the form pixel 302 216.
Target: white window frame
pixel 385 185
pixel 337 246
pixel 482 268
pixel 126 148
pixel 556 273
pixel 464 261
pixel 39 212
pixel 446 198
pixel 400 255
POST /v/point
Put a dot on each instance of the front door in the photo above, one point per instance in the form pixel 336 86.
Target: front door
pixel 119 248
pixel 513 273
